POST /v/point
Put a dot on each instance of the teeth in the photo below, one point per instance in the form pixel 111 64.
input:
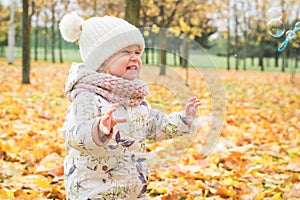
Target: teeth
pixel 131 67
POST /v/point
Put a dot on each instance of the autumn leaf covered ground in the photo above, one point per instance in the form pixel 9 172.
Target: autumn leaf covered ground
pixel 256 157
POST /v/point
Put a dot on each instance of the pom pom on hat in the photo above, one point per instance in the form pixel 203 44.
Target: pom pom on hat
pixel 70 27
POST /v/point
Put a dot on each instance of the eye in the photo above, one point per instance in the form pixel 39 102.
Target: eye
pixel 126 52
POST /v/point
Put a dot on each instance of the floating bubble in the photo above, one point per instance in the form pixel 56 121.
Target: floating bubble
pixel 289 35
pixel 297 27
pixel 276 27
pixel 283 45
pixel 274 12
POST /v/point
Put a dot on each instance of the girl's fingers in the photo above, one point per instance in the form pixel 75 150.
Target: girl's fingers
pixel 116 121
pixel 107 123
pixel 122 120
pixel 112 108
pixel 105 130
pixel 192 98
pixel 193 102
pixel 198 103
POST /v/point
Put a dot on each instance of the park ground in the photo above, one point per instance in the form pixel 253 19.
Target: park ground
pixel 257 155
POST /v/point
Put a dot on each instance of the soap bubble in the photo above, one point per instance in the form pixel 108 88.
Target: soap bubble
pixel 276 27
pixel 289 35
pixel 297 27
pixel 274 13
pixel 283 45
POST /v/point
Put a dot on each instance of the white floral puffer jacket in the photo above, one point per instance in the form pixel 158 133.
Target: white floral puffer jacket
pixel 116 170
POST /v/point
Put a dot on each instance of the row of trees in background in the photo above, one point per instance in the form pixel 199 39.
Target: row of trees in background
pixel 241 23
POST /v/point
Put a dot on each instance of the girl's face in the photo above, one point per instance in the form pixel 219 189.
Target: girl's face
pixel 126 63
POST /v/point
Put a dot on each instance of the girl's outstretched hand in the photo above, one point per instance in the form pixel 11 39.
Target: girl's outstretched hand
pixel 191 109
pixel 108 122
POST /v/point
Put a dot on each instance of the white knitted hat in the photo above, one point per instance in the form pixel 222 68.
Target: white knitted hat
pixel 99 37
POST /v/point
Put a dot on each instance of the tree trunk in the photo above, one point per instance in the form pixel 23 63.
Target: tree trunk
pixel 228 44
pixel 163 52
pixel 296 58
pixel 283 61
pixel 132 12
pixel 246 41
pixel 261 54
pixel 245 51
pixel 11 33
pixel 185 59
pixel 153 52
pixel 36 42
pixel 236 38
pixel 175 57
pixel 25 44
pixel 46 43
pixel 95 7
pixel 293 68
pixel 282 4
pixel 2 51
pixel 53 32
pixel 61 59
pixel 60 49
pixel 276 58
pixel 146 53
pixel 179 56
pixel 185 52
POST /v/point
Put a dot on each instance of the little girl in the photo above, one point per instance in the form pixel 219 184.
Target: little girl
pixel 109 119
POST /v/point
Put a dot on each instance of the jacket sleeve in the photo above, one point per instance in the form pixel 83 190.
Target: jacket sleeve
pixel 81 120
pixel 162 126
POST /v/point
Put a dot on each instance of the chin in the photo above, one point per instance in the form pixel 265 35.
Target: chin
pixel 130 76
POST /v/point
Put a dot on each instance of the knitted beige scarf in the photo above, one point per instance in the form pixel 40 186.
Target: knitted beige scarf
pixel 114 89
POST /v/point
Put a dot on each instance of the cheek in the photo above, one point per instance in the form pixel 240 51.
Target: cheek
pixel 140 62
pixel 115 70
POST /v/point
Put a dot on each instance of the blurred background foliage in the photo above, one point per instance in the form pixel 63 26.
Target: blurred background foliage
pixel 233 32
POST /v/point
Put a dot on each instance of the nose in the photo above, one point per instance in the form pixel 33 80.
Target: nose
pixel 134 56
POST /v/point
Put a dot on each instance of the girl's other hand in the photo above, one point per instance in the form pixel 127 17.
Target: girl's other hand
pixel 191 109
